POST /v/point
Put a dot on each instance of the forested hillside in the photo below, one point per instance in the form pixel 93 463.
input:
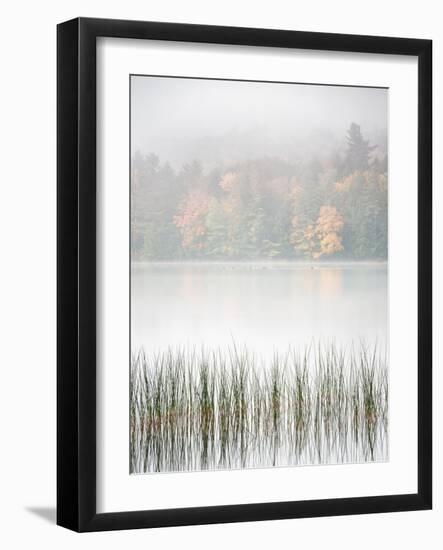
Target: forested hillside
pixel 331 206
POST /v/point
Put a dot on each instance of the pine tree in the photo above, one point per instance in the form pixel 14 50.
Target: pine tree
pixel 359 150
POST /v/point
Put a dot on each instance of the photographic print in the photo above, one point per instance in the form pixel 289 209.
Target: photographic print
pixel 244 274
pixel 259 274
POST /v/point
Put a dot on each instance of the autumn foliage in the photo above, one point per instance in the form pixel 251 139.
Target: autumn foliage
pixel 266 208
pixel 191 219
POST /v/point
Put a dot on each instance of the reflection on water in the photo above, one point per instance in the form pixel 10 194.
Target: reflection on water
pixel 330 282
pixel 223 380
pixel 264 306
pixel 202 410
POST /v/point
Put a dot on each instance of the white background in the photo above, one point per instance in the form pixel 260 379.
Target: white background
pixel 27 218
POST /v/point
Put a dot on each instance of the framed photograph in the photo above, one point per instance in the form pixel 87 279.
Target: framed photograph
pixel 244 274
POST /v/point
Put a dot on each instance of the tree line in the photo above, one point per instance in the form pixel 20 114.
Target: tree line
pixel 334 207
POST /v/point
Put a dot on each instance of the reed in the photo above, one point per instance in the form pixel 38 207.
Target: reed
pixel 197 409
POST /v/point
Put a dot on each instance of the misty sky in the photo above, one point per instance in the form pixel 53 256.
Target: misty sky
pixel 180 119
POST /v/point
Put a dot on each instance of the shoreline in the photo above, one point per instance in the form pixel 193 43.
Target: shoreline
pixel 261 264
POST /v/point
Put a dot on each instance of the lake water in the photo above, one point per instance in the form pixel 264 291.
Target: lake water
pixel 266 307
pixel 210 417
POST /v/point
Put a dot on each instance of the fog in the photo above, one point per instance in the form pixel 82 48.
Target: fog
pixel 213 305
pixel 180 119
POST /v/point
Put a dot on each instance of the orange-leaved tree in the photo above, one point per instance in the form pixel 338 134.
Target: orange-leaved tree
pixel 191 220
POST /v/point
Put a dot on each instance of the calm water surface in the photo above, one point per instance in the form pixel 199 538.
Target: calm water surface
pixel 266 307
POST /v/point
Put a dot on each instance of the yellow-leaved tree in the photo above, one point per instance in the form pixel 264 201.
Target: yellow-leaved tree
pixel 322 238
pixel 328 232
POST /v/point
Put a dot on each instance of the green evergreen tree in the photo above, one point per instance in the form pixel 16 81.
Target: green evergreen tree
pixel 358 150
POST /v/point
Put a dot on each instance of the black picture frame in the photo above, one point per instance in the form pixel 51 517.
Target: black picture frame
pixel 76 274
